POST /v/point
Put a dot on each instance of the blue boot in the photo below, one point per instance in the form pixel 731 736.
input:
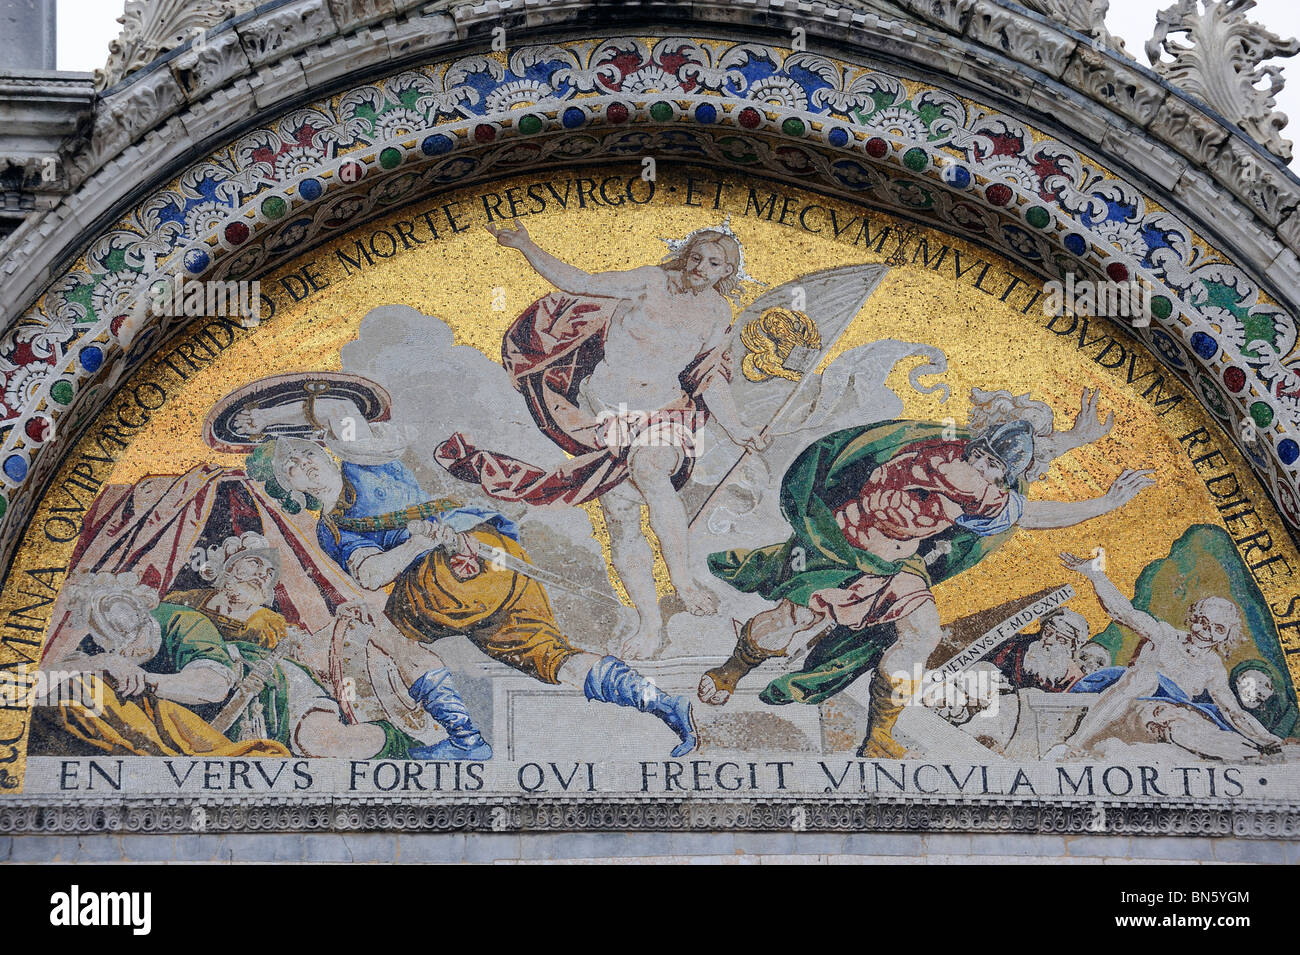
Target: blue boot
pixel 613 681
pixel 440 700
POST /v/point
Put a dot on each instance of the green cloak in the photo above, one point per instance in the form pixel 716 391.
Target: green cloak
pixel 826 475
pixel 188 635
pixel 1277 714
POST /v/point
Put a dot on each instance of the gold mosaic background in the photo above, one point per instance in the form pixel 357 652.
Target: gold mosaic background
pixel 989 344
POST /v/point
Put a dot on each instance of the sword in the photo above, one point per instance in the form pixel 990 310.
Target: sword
pixel 259 674
pixel 497 558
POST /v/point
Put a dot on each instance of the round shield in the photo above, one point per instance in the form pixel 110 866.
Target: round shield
pixel 222 432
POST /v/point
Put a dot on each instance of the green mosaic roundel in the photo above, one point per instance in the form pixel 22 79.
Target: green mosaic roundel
pixel 61 391
pixel 916 160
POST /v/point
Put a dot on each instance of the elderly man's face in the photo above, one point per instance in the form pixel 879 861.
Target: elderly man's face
pixel 1055 634
pixel 250 579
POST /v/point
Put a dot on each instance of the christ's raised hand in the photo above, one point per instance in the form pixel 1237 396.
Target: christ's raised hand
pixel 515 237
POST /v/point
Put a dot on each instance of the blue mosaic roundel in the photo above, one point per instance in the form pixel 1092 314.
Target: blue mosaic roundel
pixel 959 176
pixel 436 144
pixel 839 136
pixel 573 117
pixel 196 260
pixel 706 113
pixel 1076 243
pixel 15 467
pixel 1288 451
pixel 1205 345
pixel 91 357
pixel 310 189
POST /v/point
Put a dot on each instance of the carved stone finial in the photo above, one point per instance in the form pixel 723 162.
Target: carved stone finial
pixel 1086 16
pixel 1224 64
pixel 152 27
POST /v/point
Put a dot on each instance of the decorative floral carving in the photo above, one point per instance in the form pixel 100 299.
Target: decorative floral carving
pixel 1041 47
pixel 144 814
pixel 152 27
pixel 1224 64
pixel 1086 16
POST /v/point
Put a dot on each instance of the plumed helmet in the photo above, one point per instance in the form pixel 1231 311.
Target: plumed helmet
pixel 1011 443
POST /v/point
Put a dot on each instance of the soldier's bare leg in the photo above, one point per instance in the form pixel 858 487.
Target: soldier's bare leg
pixel 766 634
pixel 413 659
pixel 320 733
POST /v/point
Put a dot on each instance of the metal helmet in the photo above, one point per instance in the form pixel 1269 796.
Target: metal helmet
pixel 1011 443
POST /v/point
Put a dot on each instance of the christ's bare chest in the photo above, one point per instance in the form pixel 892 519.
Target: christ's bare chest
pixel 661 326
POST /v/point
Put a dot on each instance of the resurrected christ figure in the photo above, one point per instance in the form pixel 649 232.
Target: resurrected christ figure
pixel 621 369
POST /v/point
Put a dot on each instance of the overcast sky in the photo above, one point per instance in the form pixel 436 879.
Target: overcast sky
pixel 87 26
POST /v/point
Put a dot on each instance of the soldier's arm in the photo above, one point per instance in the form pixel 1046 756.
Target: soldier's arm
pixel 203 681
pixel 374 568
pixel 1045 515
pixel 1087 428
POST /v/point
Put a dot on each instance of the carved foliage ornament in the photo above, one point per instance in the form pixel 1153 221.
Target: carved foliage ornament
pixel 152 27
pixel 1224 64
pixel 1086 16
